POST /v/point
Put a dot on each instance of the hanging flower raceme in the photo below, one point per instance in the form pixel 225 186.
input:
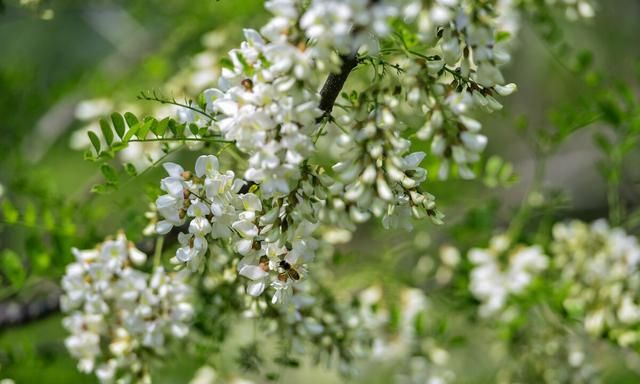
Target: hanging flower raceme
pixel 453 73
pixel 117 313
pixel 267 104
pixel 599 268
pixel 379 175
pixel 274 237
pixel 503 271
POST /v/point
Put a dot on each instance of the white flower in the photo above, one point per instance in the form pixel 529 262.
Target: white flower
pixel 596 255
pixel 206 165
pixel 106 299
pixel 283 291
pixel 493 282
pixel 257 273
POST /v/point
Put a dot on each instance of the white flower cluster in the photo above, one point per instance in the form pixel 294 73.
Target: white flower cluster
pixel 573 9
pixel 599 267
pixel 268 101
pixel 116 312
pixel 380 177
pixel 457 75
pixel 343 27
pixel 502 271
pixel 422 370
pixel 275 239
pixel 544 353
pixel 419 358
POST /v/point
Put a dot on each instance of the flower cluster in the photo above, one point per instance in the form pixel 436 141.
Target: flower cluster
pixel 344 27
pixel 420 357
pixel 108 300
pixel 502 271
pixel 573 9
pixel 267 103
pixel 379 174
pixel 274 237
pixel 446 58
pixel 545 353
pixel 599 267
pixel 454 73
pixel 268 100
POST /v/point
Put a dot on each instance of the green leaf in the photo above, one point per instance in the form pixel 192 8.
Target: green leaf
pixel 118 123
pixel 132 131
pixel 172 127
pixel 119 146
pixel 226 63
pixel 246 68
pixel 628 144
pixel 103 188
pixel 9 212
pixel 12 268
pixel 130 169
pixel 95 141
pixel 506 175
pixel 49 220
pixel 602 142
pixel 160 128
pixel 610 111
pixel 131 119
pixel 106 131
pixel 109 172
pixel 179 130
pixel 202 101
pixel 30 214
pixel 88 155
pixel 502 36
pixel 106 155
pixel 145 127
pixel 420 324
pixel 193 128
pixel 584 60
pixel 41 261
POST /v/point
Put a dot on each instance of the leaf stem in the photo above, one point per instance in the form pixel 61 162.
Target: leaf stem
pixel 157 254
pixel 170 139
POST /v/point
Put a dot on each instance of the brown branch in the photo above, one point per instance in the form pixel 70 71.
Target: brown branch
pixel 335 81
pixel 44 301
pixel 15 313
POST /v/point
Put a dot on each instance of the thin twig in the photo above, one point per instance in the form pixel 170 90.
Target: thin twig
pixel 170 139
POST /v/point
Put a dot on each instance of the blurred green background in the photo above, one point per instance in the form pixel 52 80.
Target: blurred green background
pixel 54 54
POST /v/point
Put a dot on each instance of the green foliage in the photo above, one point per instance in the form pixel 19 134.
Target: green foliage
pixel 147 129
pixel 118 124
pixel 9 212
pixel 43 217
pixel 498 172
pixel 12 268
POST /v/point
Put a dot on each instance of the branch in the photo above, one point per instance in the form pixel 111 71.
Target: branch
pixel 332 87
pixel 12 313
pixel 44 301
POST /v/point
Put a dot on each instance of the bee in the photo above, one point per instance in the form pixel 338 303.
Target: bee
pixel 247 84
pixel 289 271
pixel 264 263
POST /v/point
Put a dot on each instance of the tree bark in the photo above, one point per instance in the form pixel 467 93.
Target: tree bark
pixel 332 87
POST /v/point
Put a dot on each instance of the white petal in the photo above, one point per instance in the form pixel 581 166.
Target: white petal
pixel 251 202
pixel 163 227
pixel 206 165
pixel 255 288
pixel 173 169
pixel 253 272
